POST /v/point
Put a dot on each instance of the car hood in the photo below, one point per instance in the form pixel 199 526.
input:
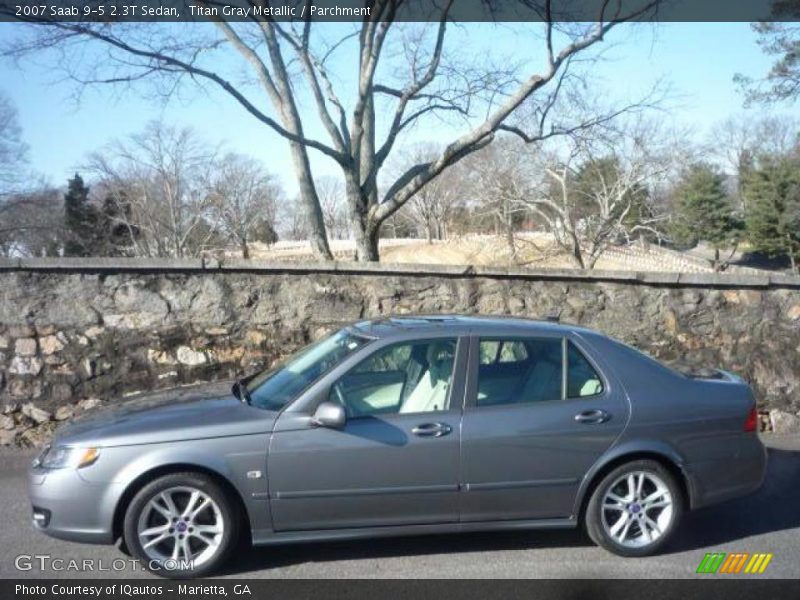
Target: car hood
pixel 195 412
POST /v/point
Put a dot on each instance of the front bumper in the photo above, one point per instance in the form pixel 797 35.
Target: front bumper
pixel 67 507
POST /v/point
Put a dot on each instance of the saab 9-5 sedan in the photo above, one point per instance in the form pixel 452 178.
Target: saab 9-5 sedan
pixel 398 426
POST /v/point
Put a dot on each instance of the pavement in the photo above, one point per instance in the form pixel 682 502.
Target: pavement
pixel 767 521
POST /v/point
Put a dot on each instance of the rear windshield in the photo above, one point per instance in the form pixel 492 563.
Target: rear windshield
pixel 665 366
pixel 696 372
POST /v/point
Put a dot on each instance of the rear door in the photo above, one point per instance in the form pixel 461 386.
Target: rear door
pixel 539 413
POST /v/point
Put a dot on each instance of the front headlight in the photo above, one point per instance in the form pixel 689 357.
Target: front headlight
pixel 61 457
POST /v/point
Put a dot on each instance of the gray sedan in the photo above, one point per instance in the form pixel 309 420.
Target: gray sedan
pixel 407 426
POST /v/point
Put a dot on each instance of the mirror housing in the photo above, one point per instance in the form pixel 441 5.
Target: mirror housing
pixel 329 414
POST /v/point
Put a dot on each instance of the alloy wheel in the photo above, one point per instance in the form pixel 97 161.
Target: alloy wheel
pixel 181 523
pixel 637 509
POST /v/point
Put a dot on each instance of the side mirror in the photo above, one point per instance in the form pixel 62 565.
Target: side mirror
pixel 329 414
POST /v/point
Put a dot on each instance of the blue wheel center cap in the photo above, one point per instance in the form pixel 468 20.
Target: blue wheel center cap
pixel 181 526
pixel 635 508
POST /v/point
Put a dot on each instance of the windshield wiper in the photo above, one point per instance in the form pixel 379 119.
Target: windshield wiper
pixel 241 392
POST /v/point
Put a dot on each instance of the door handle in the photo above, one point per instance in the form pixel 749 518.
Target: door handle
pixel 592 416
pixel 432 429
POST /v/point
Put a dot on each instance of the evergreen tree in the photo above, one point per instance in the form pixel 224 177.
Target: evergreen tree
pixel 80 219
pixel 263 231
pixel 773 199
pixel 116 232
pixel 705 211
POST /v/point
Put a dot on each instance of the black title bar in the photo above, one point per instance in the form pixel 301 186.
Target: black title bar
pixel 464 11
pixel 734 588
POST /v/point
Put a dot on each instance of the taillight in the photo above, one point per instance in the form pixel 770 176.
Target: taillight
pixel 751 422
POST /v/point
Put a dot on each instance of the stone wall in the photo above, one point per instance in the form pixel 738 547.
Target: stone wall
pixel 80 332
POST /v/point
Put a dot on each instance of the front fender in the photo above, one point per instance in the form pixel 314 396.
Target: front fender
pixel 239 460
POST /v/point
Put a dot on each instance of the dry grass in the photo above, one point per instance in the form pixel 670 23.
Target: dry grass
pixel 534 250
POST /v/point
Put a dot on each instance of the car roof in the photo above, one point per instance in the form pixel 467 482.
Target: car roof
pixel 456 324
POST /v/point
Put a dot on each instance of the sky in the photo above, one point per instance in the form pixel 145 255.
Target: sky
pixel 697 60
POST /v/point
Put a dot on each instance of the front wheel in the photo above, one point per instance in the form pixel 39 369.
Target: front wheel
pixel 635 509
pixel 181 525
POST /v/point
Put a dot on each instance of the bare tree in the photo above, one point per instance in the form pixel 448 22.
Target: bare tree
pixel 334 206
pixel 30 210
pixel 32 224
pixel 243 200
pixel 292 223
pixel 431 208
pixel 159 181
pixel 13 152
pixel 597 191
pixel 502 178
pixel 399 225
pixel 403 70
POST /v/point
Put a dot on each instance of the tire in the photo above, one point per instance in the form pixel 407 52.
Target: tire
pixel 207 532
pixel 648 525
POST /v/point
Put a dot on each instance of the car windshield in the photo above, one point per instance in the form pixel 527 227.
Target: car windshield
pixel 273 388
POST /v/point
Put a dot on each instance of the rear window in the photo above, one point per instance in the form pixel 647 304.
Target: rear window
pixel 519 371
pixel 582 379
pixel 502 351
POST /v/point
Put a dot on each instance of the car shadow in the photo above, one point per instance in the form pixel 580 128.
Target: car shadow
pixel 262 557
pixel 774 507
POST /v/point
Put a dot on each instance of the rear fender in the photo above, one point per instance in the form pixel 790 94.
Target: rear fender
pixel 633 449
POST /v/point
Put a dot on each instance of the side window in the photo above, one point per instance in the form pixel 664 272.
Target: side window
pixel 522 371
pixel 582 379
pixel 513 352
pixel 494 351
pixel 410 377
pixel 489 351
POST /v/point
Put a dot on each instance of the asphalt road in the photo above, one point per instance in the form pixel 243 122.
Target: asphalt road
pixel 768 521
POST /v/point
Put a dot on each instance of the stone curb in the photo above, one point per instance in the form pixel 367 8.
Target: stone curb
pixel 191 265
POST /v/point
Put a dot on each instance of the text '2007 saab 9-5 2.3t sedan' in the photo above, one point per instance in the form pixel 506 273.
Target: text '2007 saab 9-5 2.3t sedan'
pixel 401 426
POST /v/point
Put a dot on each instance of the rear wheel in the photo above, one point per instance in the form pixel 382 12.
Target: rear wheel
pixel 635 509
pixel 181 525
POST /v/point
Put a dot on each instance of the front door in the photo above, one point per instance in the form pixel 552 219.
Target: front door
pixel 395 461
pixel 538 415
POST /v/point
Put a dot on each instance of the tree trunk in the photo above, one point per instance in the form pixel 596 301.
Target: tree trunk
pixel 245 250
pixel 576 258
pixel 310 201
pixel 575 252
pixel 365 230
pixel 367 244
pixel 512 246
pixel 790 252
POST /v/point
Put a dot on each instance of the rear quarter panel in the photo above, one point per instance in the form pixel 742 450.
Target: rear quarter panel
pixel 696 423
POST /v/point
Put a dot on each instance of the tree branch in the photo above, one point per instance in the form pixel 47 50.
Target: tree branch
pixel 416 177
pixel 196 71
